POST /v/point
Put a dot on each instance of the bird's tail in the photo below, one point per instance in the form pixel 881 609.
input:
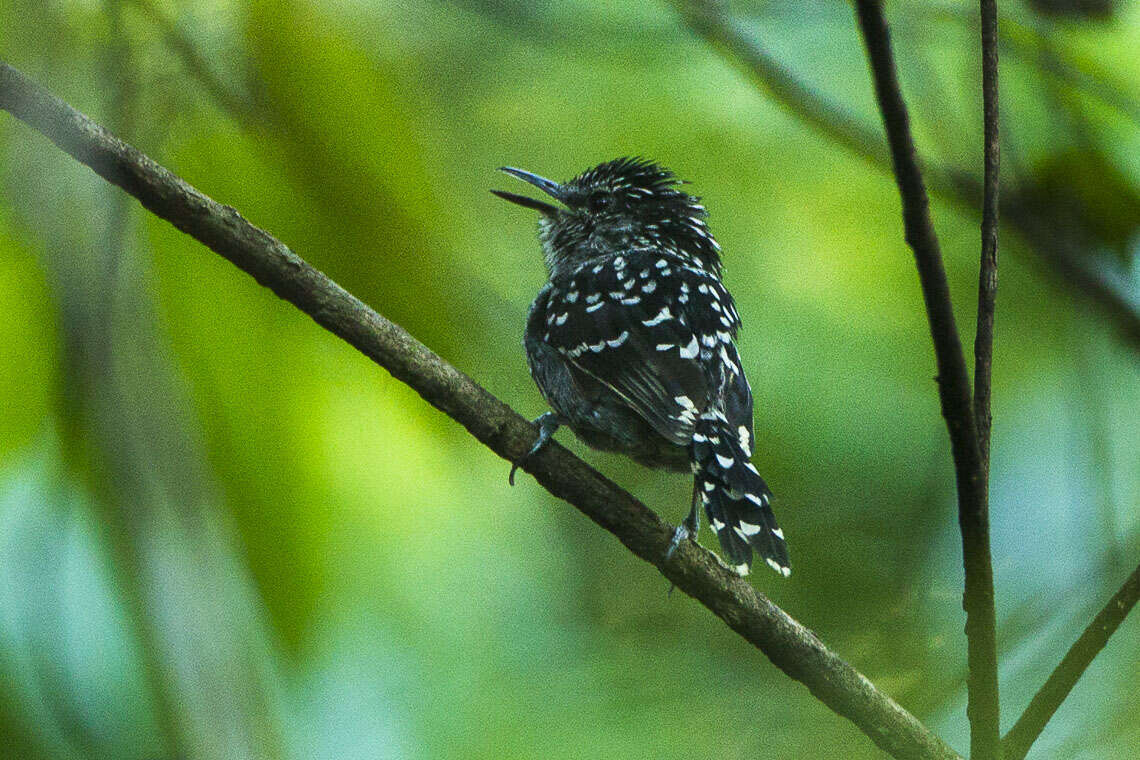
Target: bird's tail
pixel 735 497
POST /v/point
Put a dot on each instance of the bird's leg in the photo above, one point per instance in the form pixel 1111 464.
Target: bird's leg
pixel 547 424
pixel 689 527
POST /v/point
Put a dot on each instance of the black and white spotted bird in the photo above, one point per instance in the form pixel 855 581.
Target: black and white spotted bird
pixel 632 344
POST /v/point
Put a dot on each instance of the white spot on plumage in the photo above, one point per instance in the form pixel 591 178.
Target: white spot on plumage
pixel 597 269
pixel 747 529
pixel 733 367
pixel 717 525
pixel 709 485
pixel 661 263
pixel 725 462
pixel 703 288
pixel 758 499
pixel 593 297
pixel 572 296
pixel 715 304
pixel 745 439
pixel 665 346
pixel 690 351
pixel 619 263
pixel 742 569
pixel 685 401
pixel 597 347
pixel 784 571
pixel 778 533
pixel 649 287
pixel 561 319
pixel 615 342
pixel 596 306
pixel 708 340
pixel 661 317
pixel 631 301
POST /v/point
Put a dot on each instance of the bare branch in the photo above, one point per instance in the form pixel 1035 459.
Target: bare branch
pixel 789 645
pixel 1049 697
pixel 987 271
pixel 954 390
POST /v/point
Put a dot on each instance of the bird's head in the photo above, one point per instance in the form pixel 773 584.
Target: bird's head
pixel 622 205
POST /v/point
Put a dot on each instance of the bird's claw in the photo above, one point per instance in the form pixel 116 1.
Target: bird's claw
pixel 679 535
pixel 547 424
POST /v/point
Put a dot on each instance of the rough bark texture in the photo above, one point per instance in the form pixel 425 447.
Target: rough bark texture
pixel 789 645
pixel 987 272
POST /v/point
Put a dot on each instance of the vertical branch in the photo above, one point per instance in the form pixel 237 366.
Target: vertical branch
pixel 953 387
pixel 978 601
pixel 987 273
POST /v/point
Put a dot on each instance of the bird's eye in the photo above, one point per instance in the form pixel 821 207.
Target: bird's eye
pixel 599 202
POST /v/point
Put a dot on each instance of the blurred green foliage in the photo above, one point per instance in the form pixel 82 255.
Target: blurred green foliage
pixel 225 534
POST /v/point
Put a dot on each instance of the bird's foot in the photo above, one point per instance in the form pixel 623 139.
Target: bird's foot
pixel 688 528
pixel 547 425
pixel 680 534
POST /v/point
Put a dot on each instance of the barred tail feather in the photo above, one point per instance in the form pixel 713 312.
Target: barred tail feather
pixel 735 497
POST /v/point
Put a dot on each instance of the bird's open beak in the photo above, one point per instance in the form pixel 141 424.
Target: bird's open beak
pixel 553 189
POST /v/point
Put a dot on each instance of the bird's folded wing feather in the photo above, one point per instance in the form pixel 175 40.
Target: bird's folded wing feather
pixel 629 323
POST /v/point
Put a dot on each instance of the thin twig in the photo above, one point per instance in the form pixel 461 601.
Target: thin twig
pixel 987 271
pixel 954 389
pixel 983 698
pixel 789 645
pixel 1049 697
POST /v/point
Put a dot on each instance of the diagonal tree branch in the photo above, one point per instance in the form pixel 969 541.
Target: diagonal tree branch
pixel 787 643
pixel 1049 697
pixel 954 391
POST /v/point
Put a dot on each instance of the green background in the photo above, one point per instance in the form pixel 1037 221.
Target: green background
pixel 225 534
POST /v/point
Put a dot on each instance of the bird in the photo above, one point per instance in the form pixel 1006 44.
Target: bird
pixel 632 344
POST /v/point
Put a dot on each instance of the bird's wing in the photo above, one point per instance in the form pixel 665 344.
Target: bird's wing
pixel 643 325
